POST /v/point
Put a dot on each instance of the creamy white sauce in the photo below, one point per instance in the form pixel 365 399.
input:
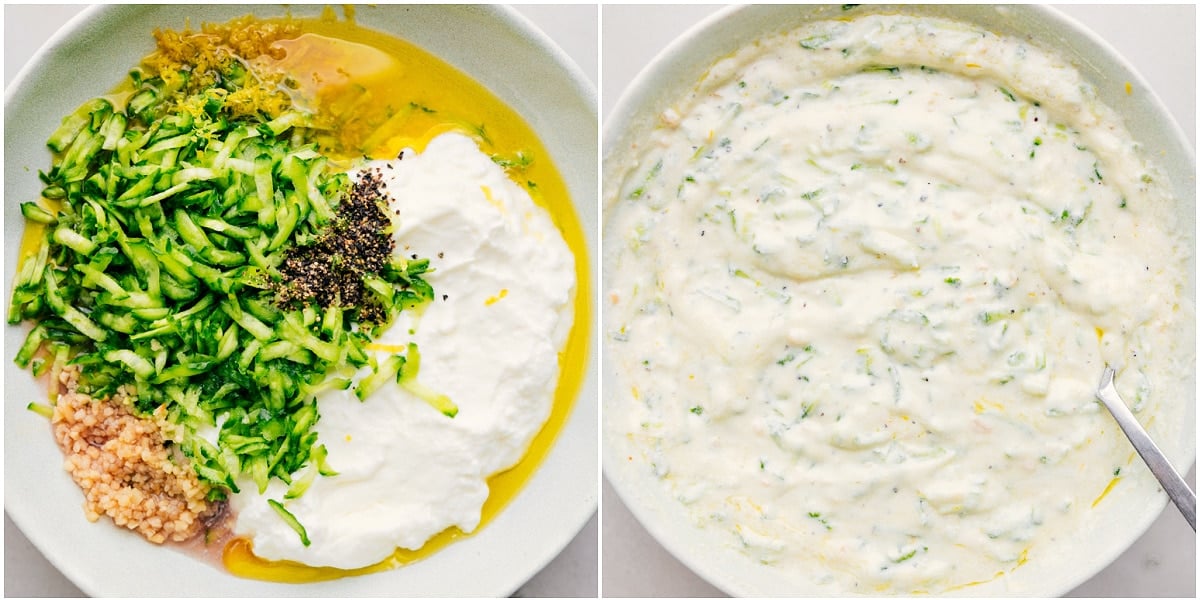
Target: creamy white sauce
pixel 861 284
pixel 504 280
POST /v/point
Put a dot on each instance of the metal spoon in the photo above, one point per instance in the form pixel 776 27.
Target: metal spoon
pixel 1178 490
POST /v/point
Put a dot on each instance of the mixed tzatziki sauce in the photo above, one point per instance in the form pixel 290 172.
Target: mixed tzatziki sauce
pixel 489 341
pixel 860 285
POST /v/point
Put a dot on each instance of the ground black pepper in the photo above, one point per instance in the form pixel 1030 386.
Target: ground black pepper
pixel 330 270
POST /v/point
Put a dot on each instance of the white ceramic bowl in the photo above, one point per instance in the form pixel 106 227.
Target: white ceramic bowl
pixel 495 46
pixel 677 69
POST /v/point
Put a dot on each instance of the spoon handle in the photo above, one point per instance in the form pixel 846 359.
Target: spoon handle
pixel 1176 487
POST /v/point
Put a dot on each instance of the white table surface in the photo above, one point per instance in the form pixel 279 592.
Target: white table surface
pixel 572 574
pixel 1160 41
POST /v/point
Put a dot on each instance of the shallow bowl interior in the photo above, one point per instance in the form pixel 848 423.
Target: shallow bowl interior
pixel 494 45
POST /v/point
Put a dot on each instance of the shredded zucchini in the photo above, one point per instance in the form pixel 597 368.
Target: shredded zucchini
pixel 169 219
pixel 291 520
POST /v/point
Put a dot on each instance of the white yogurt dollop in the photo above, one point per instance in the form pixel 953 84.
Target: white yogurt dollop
pixel 504 281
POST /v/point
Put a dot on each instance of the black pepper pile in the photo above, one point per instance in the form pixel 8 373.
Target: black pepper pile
pixel 330 270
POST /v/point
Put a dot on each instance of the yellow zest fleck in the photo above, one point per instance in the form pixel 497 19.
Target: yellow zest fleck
pixel 1099 334
pixel 347 437
pixel 1107 489
pixel 975 583
pixel 527 220
pixel 497 297
pixel 1023 558
pixel 1128 88
pixel 634 391
pixel 973 66
pixel 487 193
pixel 982 404
pixel 392 348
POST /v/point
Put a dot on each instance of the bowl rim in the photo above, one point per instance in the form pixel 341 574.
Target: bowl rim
pixel 575 515
pixel 639 100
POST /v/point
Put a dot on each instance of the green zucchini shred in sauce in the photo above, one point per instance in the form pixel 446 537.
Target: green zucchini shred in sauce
pixel 166 223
